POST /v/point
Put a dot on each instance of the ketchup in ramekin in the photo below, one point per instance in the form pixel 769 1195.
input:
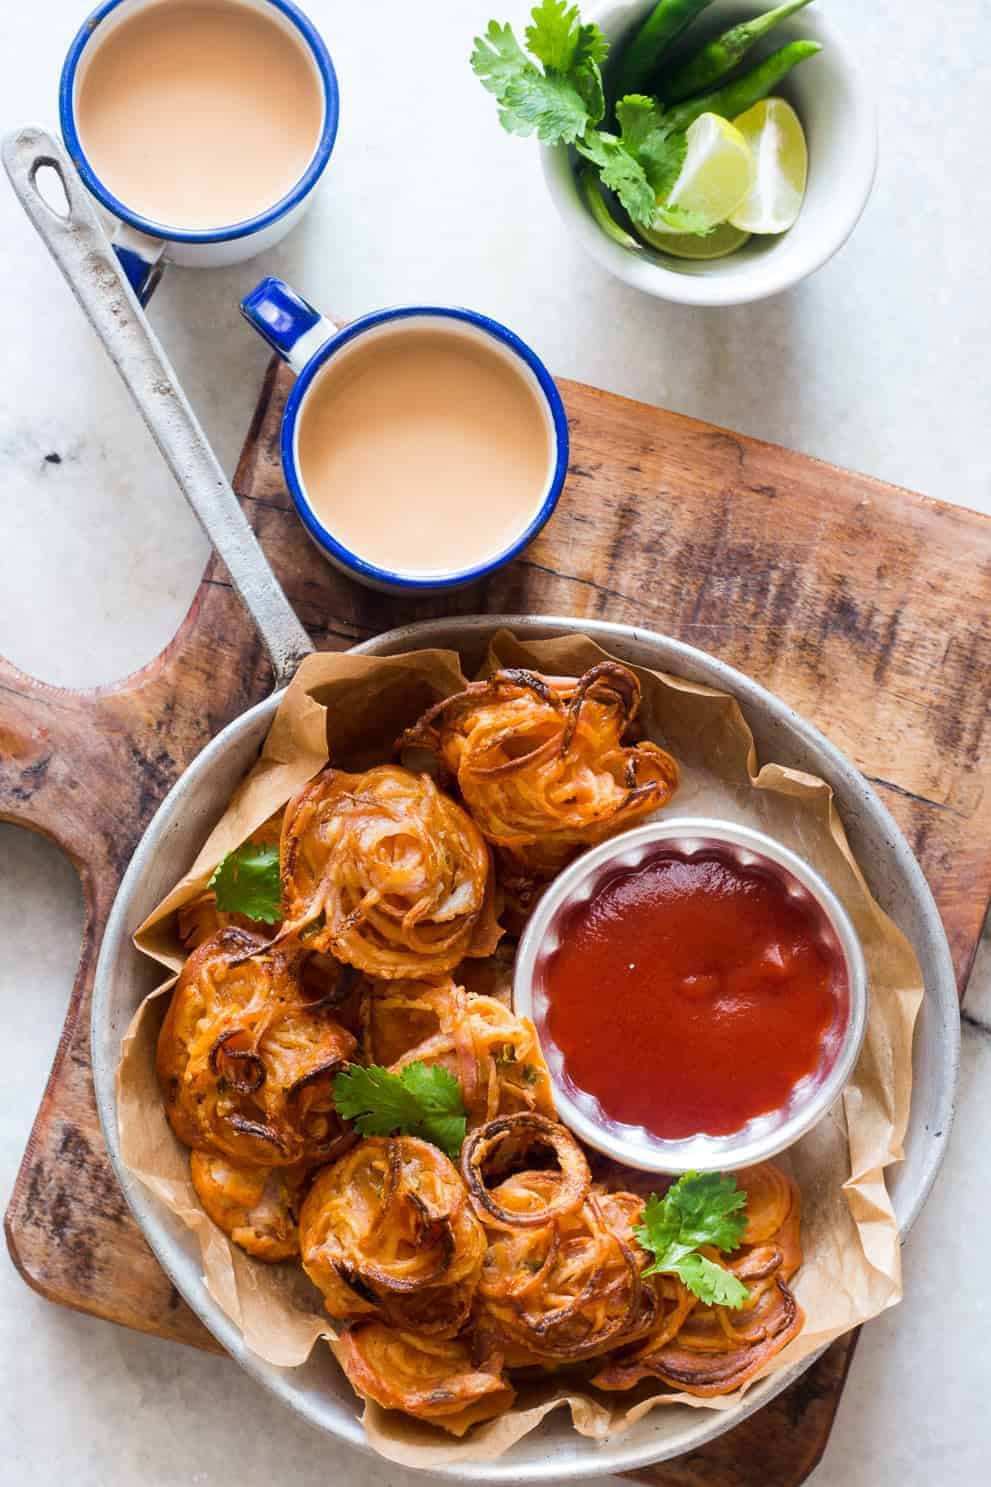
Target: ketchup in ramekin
pixel 693 990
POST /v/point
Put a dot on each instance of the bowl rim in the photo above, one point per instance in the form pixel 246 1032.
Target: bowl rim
pixel 587 1457
pixel 754 1142
pixel 712 285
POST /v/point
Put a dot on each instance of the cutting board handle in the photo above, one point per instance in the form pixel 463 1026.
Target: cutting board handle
pixel 77 242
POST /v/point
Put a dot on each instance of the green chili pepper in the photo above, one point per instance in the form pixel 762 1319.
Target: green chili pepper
pixel 722 54
pixel 736 97
pixel 588 182
pixel 640 58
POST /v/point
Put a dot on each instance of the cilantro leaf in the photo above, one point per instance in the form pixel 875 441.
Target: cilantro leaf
pixel 559 103
pixel 638 117
pixel 709 1209
pixel 681 219
pixel 711 1282
pixel 592 46
pixel 418 1101
pixel 557 38
pixel 247 882
pixel 551 106
pixel 498 59
pixel 587 82
pixel 552 35
pixel 652 141
pixel 696 1210
pixel 620 172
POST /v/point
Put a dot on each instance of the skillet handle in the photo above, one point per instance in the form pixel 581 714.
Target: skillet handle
pixel 79 246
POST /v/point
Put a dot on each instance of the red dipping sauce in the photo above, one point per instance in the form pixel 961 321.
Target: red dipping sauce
pixel 690 994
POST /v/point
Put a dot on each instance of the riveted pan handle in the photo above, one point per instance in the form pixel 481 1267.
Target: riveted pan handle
pixel 78 244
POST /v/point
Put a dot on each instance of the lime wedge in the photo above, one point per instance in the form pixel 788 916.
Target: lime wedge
pixel 718 171
pixel 774 135
pixel 715 244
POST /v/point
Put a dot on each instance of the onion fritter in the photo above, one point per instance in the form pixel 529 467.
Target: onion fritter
pixel 246 1067
pixel 384 871
pixel 494 1055
pixel 428 1377
pixel 257 1207
pixel 540 762
pixel 568 1289
pixel 716 1349
pixel 388 1233
pixel 399 1015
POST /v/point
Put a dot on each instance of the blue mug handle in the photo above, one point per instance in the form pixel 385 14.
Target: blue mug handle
pixel 289 324
pixel 141 258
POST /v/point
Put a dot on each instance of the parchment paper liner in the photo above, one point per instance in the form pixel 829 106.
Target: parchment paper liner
pixel 350 708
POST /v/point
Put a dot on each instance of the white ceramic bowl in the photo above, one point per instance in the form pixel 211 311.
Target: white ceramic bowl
pixel 763 1136
pixel 835 102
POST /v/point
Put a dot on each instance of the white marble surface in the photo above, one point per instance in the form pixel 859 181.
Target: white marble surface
pixel 877 363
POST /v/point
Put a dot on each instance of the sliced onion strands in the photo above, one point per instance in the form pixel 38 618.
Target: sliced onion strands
pixel 524 1131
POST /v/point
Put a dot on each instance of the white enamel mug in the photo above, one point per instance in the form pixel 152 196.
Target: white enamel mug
pixel 143 245
pixel 315 348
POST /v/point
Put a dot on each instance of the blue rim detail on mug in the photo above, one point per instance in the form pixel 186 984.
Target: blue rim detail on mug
pixel 285 330
pixel 67 119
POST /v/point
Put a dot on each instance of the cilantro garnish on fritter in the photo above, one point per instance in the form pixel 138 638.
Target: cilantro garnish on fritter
pixel 247 882
pixel 698 1210
pixel 418 1101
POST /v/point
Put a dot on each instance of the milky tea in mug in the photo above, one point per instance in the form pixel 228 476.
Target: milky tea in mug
pixel 198 114
pixel 424 449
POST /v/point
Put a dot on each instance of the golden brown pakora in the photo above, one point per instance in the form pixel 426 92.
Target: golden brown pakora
pixel 257 1207
pixel 716 1349
pixel 567 1289
pixel 431 1378
pixel 384 871
pixel 541 764
pixel 387 1232
pixel 245 1065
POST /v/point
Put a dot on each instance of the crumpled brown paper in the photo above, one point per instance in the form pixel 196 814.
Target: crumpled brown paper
pixel 350 709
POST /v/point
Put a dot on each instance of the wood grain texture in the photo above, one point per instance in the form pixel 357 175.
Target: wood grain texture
pixel 865 607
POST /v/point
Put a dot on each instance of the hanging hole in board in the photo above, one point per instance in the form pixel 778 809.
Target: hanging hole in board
pixel 46 178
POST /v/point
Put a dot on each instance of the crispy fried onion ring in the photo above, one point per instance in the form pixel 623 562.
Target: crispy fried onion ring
pixel 257 1207
pixel 385 872
pixel 494 1055
pixel 540 764
pixel 246 1067
pixel 505 1143
pixel 715 1349
pixel 428 1377
pixel 570 1288
pixel 388 1232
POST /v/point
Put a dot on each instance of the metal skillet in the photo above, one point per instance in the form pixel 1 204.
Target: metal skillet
pixel 317 1391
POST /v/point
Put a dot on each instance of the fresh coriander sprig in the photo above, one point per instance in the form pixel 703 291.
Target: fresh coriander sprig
pixel 699 1209
pixel 418 1101
pixel 247 882
pixel 561 101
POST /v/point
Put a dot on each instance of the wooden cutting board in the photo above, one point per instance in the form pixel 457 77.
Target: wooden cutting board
pixel 865 607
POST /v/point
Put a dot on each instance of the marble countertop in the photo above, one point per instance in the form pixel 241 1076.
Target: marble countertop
pixel 877 363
